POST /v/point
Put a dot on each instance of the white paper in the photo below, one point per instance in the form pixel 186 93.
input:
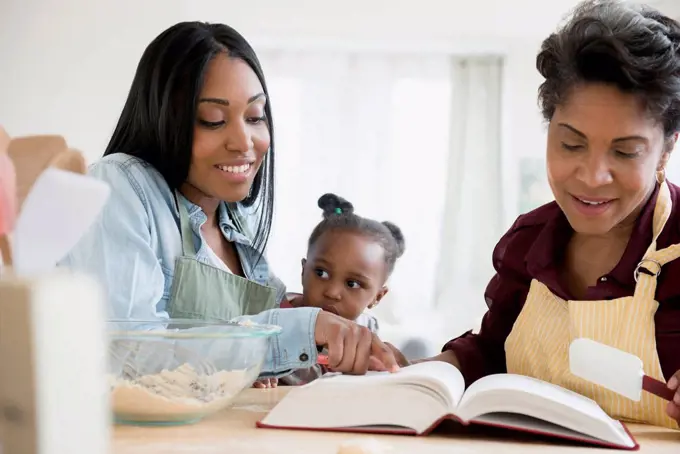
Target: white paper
pixel 57 212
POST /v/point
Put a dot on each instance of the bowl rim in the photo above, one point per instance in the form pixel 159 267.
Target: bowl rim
pixel 157 328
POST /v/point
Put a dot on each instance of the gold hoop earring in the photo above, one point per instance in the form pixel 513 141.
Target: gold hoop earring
pixel 661 175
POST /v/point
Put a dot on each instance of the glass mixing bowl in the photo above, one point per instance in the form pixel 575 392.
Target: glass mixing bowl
pixel 169 372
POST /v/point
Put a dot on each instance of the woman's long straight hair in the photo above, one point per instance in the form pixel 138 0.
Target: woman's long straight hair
pixel 157 122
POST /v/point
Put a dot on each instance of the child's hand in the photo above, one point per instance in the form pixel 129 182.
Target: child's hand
pixel 266 383
pixel 295 300
pixel 673 408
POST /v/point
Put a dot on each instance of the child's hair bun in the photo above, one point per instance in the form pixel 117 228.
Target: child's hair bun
pixel 332 204
pixel 398 237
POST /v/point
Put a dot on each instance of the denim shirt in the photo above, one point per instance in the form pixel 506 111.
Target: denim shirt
pixel 132 248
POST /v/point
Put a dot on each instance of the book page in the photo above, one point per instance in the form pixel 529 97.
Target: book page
pixel 441 378
pixel 376 408
pixel 414 398
pixel 516 394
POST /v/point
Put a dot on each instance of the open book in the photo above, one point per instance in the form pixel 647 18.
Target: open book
pixel 417 398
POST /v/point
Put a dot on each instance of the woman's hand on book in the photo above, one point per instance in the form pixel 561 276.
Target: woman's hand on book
pixel 447 357
pixel 673 408
pixel 352 348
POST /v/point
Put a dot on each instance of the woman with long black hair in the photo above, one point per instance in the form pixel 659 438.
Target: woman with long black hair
pixel 191 167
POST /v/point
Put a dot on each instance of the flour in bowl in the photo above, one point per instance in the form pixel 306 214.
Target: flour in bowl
pixel 173 396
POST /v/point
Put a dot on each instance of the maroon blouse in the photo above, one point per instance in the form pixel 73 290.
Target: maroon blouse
pixel 534 248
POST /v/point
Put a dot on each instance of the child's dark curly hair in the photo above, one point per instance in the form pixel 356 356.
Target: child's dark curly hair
pixel 634 48
pixel 338 214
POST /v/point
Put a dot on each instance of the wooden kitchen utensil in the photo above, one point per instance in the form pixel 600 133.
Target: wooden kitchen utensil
pixel 33 154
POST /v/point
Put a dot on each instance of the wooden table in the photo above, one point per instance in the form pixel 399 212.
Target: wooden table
pixel 234 431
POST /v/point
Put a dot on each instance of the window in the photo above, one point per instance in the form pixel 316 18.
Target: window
pixel 534 188
pixel 406 138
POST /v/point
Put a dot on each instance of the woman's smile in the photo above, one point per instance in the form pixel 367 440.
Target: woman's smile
pixel 592 206
pixel 239 173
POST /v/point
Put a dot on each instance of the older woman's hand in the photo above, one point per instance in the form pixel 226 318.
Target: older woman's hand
pixel 352 348
pixel 673 408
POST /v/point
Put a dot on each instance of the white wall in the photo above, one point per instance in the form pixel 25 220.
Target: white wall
pixel 67 65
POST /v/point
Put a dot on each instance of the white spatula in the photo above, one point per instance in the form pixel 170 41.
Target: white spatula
pixel 613 369
pixel 57 212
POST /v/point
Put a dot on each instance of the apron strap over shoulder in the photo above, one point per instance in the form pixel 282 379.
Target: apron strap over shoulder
pixel 653 260
pixel 662 211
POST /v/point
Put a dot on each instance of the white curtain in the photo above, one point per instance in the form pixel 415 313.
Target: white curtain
pixel 406 138
pixel 473 221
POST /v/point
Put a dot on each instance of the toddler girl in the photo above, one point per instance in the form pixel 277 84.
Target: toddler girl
pixel 349 259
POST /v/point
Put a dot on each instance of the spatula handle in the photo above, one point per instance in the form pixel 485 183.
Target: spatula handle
pixel 656 387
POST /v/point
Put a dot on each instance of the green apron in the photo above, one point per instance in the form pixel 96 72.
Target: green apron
pixel 202 291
